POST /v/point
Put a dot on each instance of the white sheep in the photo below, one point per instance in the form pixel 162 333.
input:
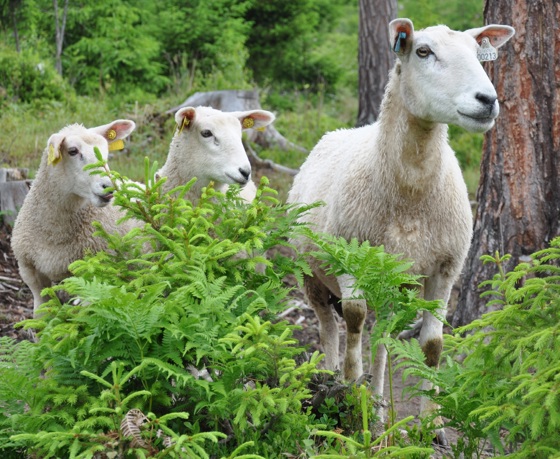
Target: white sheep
pixel 207 145
pixel 398 183
pixel 54 226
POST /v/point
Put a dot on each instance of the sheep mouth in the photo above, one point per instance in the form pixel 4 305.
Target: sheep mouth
pixel 483 119
pixel 105 198
pixel 242 181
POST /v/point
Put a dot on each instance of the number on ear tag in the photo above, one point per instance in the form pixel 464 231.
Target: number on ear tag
pixel 248 123
pixel 486 52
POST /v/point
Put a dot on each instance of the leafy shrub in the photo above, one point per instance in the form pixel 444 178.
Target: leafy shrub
pixel 512 366
pixel 180 333
pixel 172 351
pixel 505 393
pixel 26 77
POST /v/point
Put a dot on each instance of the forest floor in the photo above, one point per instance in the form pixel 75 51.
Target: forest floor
pixel 16 304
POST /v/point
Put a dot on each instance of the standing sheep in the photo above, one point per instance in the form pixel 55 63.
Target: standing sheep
pixel 397 182
pixel 207 145
pixel 54 226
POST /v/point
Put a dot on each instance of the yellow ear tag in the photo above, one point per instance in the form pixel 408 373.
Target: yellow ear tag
pixel 185 123
pixel 116 145
pixel 248 122
pixel 261 129
pixel 111 134
pixel 52 158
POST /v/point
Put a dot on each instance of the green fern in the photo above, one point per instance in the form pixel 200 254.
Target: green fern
pixel 147 321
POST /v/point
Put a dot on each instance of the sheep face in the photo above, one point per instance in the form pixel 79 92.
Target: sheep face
pixel 442 80
pixel 208 144
pixel 71 149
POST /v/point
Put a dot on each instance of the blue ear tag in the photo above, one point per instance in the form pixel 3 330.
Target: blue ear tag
pixel 399 42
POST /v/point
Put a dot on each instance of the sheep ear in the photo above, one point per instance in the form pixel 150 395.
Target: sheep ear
pixel 401 34
pixel 257 119
pixel 118 129
pixel 53 146
pixel 114 132
pixel 184 117
pixel 496 34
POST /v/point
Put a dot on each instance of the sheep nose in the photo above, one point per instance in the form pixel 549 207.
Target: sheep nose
pixel 486 99
pixel 246 173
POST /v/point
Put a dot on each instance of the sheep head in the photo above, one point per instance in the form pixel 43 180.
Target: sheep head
pixel 69 150
pixel 441 78
pixel 208 144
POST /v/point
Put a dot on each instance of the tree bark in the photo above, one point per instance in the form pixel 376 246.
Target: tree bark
pixel 60 25
pixel 375 57
pixel 15 5
pixel 13 189
pixel 519 191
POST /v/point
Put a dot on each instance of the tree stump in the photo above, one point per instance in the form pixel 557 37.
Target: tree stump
pixel 13 189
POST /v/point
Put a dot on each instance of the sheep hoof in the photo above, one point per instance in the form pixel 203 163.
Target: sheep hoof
pixel 441 438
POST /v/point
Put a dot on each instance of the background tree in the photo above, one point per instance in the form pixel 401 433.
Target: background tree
pixel 9 14
pixel 59 27
pixel 283 38
pixel 519 192
pixel 375 57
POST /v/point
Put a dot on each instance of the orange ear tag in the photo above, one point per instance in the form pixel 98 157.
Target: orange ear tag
pixel 116 145
pixel 248 123
pixel 52 157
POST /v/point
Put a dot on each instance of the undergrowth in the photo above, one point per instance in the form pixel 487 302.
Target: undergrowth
pixel 499 382
pixel 167 344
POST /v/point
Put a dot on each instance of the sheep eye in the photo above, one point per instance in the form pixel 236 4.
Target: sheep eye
pixel 423 52
pixel 206 133
pixel 73 151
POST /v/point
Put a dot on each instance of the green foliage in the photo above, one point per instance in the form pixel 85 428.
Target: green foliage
pixel 167 344
pixel 456 15
pixel 367 445
pixel 150 325
pixel 137 49
pixel 202 40
pixel 109 50
pixel 506 390
pixel 514 354
pixel 26 77
pixel 288 31
pixel 382 279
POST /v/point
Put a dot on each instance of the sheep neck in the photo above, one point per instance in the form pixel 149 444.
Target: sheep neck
pixel 412 147
pixel 65 203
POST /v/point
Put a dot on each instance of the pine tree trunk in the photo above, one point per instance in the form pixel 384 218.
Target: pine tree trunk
pixel 519 192
pixel 60 26
pixel 15 5
pixel 375 57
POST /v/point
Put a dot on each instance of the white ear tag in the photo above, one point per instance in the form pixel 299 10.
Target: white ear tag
pixel 486 52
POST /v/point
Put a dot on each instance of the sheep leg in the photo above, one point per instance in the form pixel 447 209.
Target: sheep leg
pixel 431 341
pixel 354 313
pixel 318 298
pixel 36 283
